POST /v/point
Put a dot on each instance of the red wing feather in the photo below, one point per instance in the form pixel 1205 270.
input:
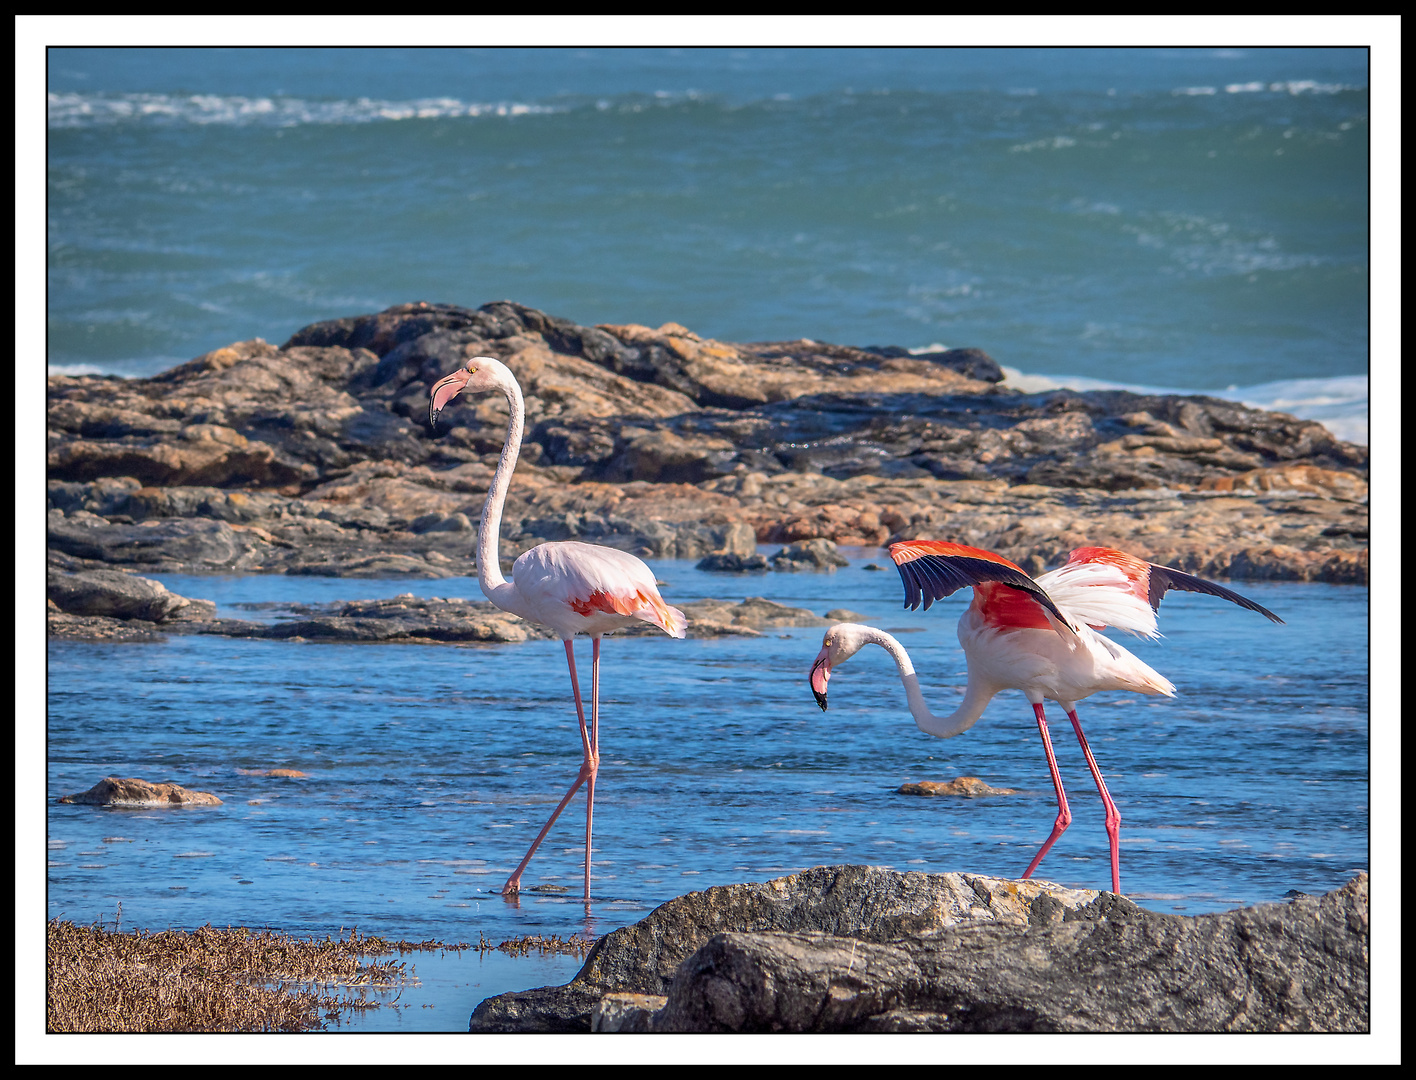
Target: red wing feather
pixel 1151 582
pixel 933 569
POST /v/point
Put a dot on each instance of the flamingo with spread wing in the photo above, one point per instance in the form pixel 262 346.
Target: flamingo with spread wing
pixel 1039 636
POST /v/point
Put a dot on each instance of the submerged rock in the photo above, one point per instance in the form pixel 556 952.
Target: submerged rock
pixel 130 791
pixel 735 564
pixel 970 787
pixel 864 949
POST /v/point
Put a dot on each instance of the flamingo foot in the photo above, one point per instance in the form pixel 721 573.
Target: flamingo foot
pixel 513 883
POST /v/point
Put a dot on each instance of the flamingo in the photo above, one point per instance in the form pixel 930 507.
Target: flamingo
pixel 1034 635
pixel 568 586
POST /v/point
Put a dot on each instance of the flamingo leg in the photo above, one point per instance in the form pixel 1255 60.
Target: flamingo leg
pixel 594 759
pixel 587 772
pixel 1064 815
pixel 1113 816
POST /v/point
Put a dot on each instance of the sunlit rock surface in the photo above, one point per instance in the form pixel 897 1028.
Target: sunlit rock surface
pixel 316 456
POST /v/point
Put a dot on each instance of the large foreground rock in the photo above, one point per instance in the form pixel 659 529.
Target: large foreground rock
pixel 851 948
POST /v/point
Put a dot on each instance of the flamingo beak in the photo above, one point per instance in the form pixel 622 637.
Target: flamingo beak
pixel 444 390
pixel 820 673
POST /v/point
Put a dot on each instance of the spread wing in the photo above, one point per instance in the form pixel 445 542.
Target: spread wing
pixel 1151 582
pixel 933 569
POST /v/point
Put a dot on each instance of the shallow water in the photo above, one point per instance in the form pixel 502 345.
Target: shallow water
pixel 431 767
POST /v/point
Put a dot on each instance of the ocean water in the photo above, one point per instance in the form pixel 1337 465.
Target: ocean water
pixel 1186 218
pixel 431 768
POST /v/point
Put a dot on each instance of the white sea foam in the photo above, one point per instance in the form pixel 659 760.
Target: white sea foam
pixel 78 369
pixel 81 110
pixel 1291 86
pixel 1339 402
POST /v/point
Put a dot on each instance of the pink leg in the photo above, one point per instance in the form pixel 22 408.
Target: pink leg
pixel 1064 815
pixel 587 772
pixel 1113 816
pixel 594 752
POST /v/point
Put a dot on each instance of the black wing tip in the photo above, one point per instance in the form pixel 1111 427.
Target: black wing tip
pixel 1165 578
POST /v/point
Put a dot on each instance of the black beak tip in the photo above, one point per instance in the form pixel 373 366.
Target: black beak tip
pixel 433 418
pixel 820 700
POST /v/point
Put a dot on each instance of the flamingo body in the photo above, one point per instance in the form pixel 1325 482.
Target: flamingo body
pixel 1040 636
pixel 1043 665
pixel 577 588
pixel 568 586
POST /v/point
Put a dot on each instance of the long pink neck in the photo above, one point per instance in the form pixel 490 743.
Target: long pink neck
pixel 494 585
pixel 976 697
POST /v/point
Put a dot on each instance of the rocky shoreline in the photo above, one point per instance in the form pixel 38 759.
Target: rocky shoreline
pixel 316 457
pixel 864 949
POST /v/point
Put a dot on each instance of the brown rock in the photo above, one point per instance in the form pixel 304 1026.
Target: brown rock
pixel 624 1012
pixel 322 446
pixel 968 786
pixel 130 791
pixel 1305 478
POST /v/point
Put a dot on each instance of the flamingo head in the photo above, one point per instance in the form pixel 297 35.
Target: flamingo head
pixel 838 645
pixel 478 374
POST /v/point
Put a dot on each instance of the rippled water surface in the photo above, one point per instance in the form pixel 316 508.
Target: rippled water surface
pixel 1174 217
pixel 431 767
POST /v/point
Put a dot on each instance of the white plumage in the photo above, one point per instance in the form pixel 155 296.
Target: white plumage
pixel 1039 636
pixel 571 587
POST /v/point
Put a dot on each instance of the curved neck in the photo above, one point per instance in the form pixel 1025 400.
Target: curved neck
pixel 489 532
pixel 964 717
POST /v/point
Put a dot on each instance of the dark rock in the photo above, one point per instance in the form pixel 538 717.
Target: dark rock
pixel 819 554
pixel 975 363
pixel 865 903
pixel 64 627
pixel 734 564
pixel 114 594
pixel 861 949
pixel 178 542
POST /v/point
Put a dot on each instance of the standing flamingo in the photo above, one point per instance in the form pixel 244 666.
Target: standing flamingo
pixel 569 587
pixel 1038 636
